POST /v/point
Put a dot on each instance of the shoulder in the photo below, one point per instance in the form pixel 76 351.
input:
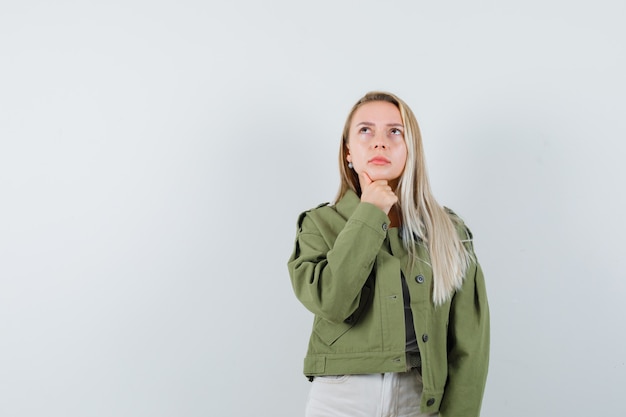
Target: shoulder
pixel 327 215
pixel 310 212
pixel 465 234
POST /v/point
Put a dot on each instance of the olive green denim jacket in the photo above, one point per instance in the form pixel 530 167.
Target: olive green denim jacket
pixel 346 269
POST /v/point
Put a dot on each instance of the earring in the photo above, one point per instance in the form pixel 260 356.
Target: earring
pixel 350 165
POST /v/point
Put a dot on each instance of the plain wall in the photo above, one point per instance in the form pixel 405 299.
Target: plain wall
pixel 154 156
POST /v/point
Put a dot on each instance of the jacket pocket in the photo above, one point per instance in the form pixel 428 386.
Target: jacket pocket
pixel 329 332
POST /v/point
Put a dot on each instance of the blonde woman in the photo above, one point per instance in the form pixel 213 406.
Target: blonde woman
pixel 401 323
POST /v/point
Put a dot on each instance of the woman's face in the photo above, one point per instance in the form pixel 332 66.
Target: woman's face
pixel 376 141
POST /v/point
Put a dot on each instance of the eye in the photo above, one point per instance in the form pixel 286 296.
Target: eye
pixel 395 131
pixel 365 129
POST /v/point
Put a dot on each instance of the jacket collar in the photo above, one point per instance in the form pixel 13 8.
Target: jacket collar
pixel 347 204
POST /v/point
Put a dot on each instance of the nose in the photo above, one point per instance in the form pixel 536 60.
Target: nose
pixel 380 141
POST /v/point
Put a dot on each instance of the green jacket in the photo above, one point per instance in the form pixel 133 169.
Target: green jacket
pixel 346 268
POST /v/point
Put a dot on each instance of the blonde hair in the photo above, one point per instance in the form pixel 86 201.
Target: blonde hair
pixel 422 217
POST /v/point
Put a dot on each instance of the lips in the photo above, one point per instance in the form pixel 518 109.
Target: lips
pixel 379 160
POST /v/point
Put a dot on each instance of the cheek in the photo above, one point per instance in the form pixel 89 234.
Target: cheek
pixel 403 154
pixel 355 152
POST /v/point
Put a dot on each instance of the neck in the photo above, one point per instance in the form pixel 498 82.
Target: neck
pixel 395 216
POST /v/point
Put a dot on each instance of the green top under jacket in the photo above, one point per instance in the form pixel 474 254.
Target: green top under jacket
pixel 346 269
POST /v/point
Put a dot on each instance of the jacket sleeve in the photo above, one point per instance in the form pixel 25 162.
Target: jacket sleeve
pixel 468 349
pixel 328 273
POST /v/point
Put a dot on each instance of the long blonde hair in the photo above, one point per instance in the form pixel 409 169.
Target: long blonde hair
pixel 422 217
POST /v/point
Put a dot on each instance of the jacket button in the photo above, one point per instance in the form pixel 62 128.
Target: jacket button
pixel 419 279
pixel 430 402
pixel 385 227
pixel 425 338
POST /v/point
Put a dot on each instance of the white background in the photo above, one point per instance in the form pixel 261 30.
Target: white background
pixel 154 157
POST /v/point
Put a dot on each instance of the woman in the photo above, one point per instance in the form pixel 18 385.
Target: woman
pixel 401 322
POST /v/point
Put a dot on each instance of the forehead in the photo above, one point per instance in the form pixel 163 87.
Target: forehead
pixel 377 112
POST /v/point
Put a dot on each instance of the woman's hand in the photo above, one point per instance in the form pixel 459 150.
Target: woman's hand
pixel 378 192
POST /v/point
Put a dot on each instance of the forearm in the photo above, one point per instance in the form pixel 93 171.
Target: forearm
pixel 328 274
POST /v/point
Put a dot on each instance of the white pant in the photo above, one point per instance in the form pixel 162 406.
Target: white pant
pixel 372 395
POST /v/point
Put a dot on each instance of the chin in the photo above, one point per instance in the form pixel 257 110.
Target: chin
pixel 382 176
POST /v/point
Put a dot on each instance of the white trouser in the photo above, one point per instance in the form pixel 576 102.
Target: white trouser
pixel 371 395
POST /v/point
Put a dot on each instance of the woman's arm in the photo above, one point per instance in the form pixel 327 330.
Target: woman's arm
pixel 468 350
pixel 333 258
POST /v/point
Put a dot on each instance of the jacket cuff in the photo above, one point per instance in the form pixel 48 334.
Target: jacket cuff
pixel 372 217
